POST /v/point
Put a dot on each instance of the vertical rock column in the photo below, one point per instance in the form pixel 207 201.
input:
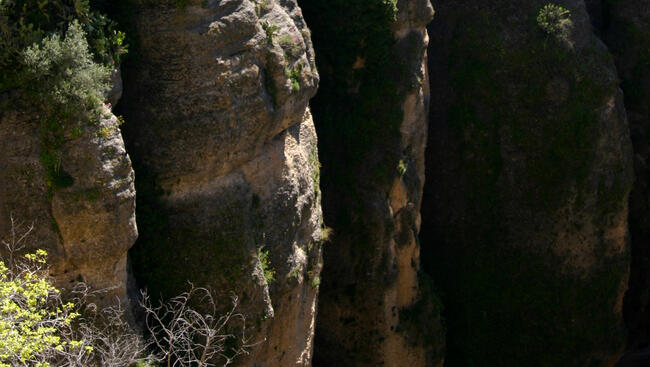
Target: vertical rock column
pixel 529 167
pixel 84 213
pixel 371 115
pixel 225 153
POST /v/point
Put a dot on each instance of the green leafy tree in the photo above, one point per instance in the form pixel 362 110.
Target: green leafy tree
pixel 35 325
pixel 40 326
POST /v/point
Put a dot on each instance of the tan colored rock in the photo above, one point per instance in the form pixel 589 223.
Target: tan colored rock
pixel 628 38
pixel 371 113
pixel 87 226
pixel 227 164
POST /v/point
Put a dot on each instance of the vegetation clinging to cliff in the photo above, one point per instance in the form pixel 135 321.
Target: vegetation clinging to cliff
pixel 60 54
pixel 24 24
pixel 42 325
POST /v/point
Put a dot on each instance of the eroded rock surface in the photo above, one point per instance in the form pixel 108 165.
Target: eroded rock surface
pixel 83 213
pixel 371 114
pixel 225 152
pixel 529 166
pixel 626 31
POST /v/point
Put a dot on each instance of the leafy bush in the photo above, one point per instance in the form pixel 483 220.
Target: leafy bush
pixel 39 328
pixel 555 20
pixel 60 54
pixel 267 269
pixel 35 326
pixel 43 326
pixel 63 72
pixel 26 22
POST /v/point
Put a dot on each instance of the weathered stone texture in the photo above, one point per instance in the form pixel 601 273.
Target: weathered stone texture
pixel 86 226
pixel 626 31
pixel 529 166
pixel 225 152
pixel 371 115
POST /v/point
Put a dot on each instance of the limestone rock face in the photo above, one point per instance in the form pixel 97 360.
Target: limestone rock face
pixel 85 217
pixel 226 158
pixel 371 115
pixel 626 31
pixel 529 166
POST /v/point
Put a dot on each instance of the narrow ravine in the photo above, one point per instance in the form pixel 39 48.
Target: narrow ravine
pixel 370 114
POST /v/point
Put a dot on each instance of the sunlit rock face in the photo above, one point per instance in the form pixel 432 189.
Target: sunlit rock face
pixel 227 165
pixel 85 216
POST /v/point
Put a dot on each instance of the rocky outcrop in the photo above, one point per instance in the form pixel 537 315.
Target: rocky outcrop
pixel 370 114
pixel 626 31
pixel 529 166
pixel 82 208
pixel 225 153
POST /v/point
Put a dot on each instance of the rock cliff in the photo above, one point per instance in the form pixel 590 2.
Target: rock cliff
pixel 370 115
pixel 83 211
pixel 529 166
pixel 225 153
pixel 625 28
pixel 493 161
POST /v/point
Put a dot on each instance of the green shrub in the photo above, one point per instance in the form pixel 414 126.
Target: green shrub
pixel 60 54
pixel 63 72
pixel 34 323
pixel 555 20
pixel 26 22
pixel 270 30
pixel 269 272
pixel 43 326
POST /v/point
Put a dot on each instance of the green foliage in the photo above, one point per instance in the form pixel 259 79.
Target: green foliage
pixel 270 30
pixel 555 20
pixel 401 167
pixel 294 76
pixel 291 44
pixel 181 4
pixel 105 40
pixel 68 86
pixel 267 269
pixel 26 22
pixel 60 54
pixel 314 163
pixel 63 72
pixel 31 318
pixel 315 282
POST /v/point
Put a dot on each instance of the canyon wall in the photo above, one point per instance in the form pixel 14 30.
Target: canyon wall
pixel 626 31
pixel 74 185
pixel 375 307
pixel 225 153
pixel 493 160
pixel 529 166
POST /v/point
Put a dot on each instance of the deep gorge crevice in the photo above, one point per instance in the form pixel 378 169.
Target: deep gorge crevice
pixel 371 140
pixel 483 176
